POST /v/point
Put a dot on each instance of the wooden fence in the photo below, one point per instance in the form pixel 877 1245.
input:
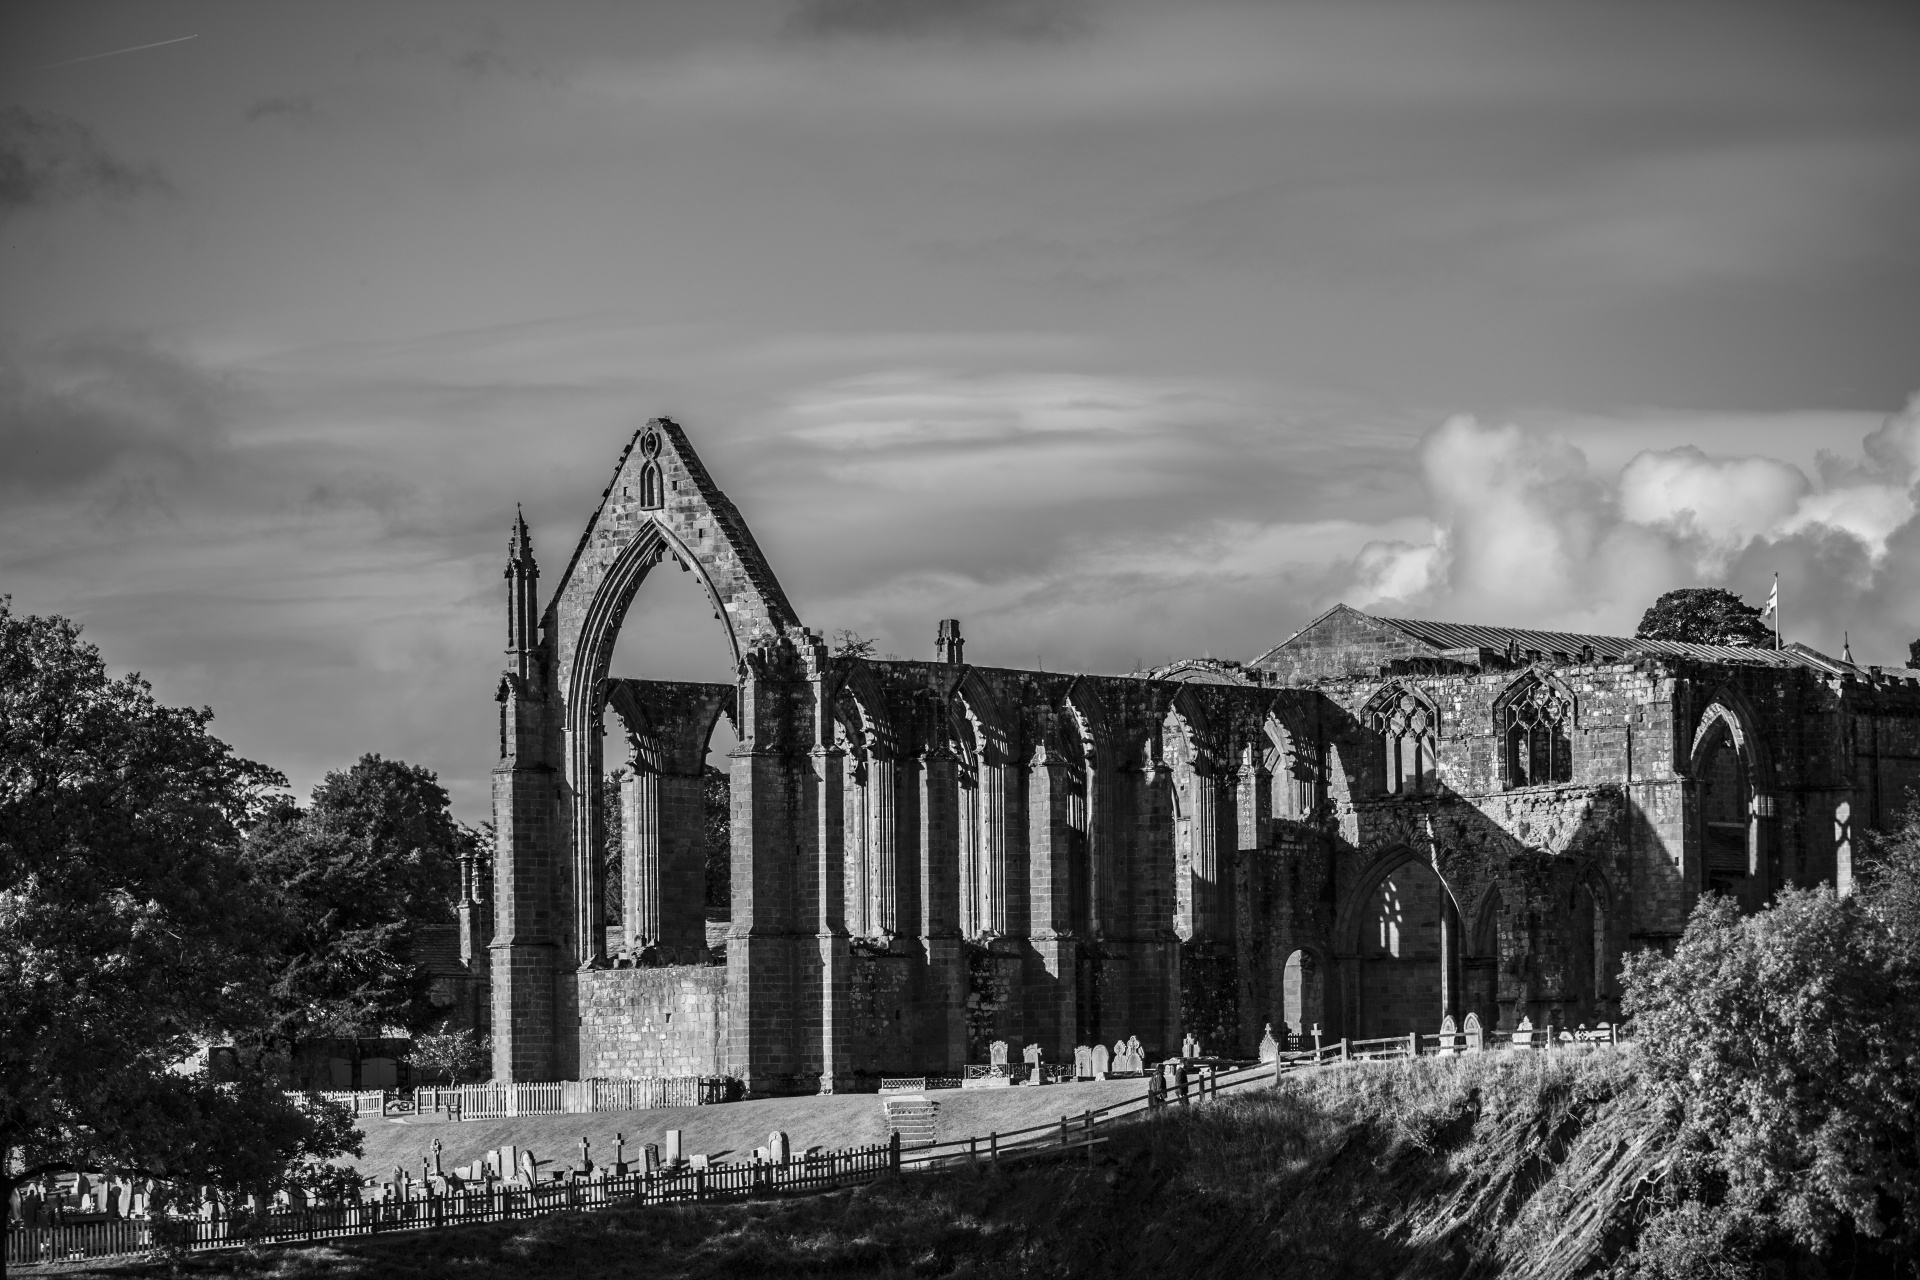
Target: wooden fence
pixel 495 1202
pixel 560 1097
pixel 815 1171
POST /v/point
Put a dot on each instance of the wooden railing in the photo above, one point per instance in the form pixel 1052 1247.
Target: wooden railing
pixel 816 1171
pixel 495 1202
pixel 559 1097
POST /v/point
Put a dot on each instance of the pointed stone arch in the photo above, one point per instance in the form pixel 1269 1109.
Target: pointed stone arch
pixel 1533 720
pixel 1731 804
pixel 1398 931
pixel 1406 722
pixel 701 531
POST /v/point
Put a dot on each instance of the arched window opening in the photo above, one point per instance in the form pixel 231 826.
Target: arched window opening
pixel 650 487
pixel 1302 996
pixel 1400 952
pixel 1725 804
pixel 1297 764
pixel 1481 968
pixel 1534 720
pixel 1078 827
pixel 1408 726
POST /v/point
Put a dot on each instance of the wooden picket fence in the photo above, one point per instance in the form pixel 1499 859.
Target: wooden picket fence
pixel 553 1098
pixel 496 1202
pixel 816 1171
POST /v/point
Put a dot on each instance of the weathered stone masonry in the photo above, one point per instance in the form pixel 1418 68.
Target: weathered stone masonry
pixel 1378 822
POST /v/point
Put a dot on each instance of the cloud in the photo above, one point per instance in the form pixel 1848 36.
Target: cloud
pixel 1001 19
pixel 46 158
pixel 298 110
pixel 1527 533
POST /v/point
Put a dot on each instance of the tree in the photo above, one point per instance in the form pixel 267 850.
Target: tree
pixel 132 931
pixel 1704 615
pixel 718 795
pixel 457 1057
pixel 355 876
pixel 1786 1046
pixel 851 644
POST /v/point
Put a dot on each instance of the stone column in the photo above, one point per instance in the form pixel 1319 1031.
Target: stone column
pixel 682 874
pixel 944 1000
pixel 883 913
pixel 523 949
pixel 1051 977
pixel 772 841
pixel 640 855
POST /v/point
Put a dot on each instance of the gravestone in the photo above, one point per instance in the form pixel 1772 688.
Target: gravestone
pixel 529 1168
pixel 586 1159
pixel 673 1146
pixel 700 1161
pixel 779 1150
pixel 1135 1054
pixel 1082 1062
pixel 1523 1034
pixel 619 1155
pixel 1102 1062
pixel 1269 1047
pixel 1475 1036
pixel 1031 1055
pixel 997 1053
pixel 651 1154
pixel 1449 1036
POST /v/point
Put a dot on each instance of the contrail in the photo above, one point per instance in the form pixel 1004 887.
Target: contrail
pixel 114 53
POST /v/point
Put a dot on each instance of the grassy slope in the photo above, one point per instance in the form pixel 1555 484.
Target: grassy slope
pixel 735 1129
pixel 1482 1166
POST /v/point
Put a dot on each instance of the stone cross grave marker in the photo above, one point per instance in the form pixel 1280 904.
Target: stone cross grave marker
pixel 1269 1047
pixel 1082 1062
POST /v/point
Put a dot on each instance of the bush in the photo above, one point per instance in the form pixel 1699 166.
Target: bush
pixel 1785 1045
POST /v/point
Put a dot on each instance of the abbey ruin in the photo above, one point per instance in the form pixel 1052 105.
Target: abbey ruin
pixel 1376 823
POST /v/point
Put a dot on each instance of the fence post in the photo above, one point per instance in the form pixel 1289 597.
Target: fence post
pixel 1345 1051
pixel 893 1151
pixel 1413 1044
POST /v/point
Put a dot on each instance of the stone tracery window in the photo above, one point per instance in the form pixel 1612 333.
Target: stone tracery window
pixel 1408 727
pixel 1534 717
pixel 650 495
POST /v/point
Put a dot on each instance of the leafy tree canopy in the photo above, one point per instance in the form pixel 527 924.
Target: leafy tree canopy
pixel 1704 615
pixel 131 929
pixel 1787 1046
pixel 355 876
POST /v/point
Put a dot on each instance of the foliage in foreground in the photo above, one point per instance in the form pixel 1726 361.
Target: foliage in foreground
pixel 130 931
pixel 1785 1047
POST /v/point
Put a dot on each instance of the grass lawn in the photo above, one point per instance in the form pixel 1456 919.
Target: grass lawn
pixel 732 1129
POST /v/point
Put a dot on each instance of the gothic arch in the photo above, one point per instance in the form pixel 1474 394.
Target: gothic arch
pixel 1407 724
pixel 1533 721
pixel 1731 797
pixel 1399 931
pixel 622 543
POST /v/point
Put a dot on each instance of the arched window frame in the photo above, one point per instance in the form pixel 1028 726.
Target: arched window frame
pixel 1534 719
pixel 652 491
pixel 1409 727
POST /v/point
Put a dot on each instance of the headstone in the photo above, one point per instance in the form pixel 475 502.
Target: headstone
pixel 700 1161
pixel 1082 1062
pixel 1449 1037
pixel 1523 1034
pixel 529 1168
pixel 1476 1038
pixel 1120 1055
pixel 761 1155
pixel 507 1162
pixel 997 1053
pixel 651 1154
pixel 1031 1055
pixel 1269 1047
pixel 1102 1062
pixel 673 1146
pixel 586 1159
pixel 619 1155
pixel 1136 1056
pixel 436 1157
pixel 779 1150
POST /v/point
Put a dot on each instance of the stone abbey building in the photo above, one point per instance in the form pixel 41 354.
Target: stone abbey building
pixel 1374 824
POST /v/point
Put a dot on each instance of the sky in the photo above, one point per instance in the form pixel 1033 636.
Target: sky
pixel 1121 332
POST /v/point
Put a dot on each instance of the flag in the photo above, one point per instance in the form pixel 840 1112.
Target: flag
pixel 1773 601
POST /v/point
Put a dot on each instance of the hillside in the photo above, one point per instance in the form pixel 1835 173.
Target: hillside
pixel 1492 1165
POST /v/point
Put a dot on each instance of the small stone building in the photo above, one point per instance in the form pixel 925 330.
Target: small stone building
pixel 1374 824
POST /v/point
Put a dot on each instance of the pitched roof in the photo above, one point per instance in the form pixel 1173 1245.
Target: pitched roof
pixel 1466 635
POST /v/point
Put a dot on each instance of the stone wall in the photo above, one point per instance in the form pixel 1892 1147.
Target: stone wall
pixel 653 1022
